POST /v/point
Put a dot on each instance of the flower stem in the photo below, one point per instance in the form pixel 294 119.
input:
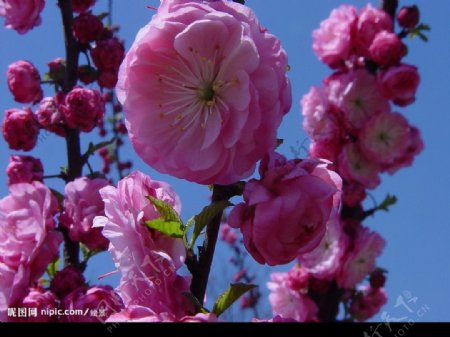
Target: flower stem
pixel 200 270
pixel 75 164
pixel 390 6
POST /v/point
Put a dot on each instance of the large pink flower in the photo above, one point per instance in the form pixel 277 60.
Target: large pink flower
pixel 204 89
pixel 285 212
pixel 333 41
pixel 21 15
pixel 28 241
pixel 81 204
pixel 147 259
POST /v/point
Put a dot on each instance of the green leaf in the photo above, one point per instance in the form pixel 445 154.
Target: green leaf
pixel 205 216
pixel 52 268
pixel 165 210
pixel 389 201
pixel 173 229
pixel 230 296
pixel 93 148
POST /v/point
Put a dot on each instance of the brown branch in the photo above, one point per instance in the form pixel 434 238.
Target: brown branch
pixel 75 164
pixel 200 269
pixel 390 6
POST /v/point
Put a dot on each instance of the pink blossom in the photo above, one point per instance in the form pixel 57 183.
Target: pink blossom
pixel 20 129
pixel 56 69
pixel 67 280
pixel 28 241
pixel 400 84
pixel 102 299
pixel 21 15
pixel 327 150
pixel 24 82
pixel 387 49
pixel 87 27
pixel 385 138
pixel 82 203
pixel 49 116
pixel 228 234
pixel 276 319
pixel 408 17
pixel 83 109
pixel 319 121
pixel 108 54
pixel 371 21
pixel 200 318
pixel 288 303
pixel 39 299
pixel 323 261
pixel 333 41
pixel 354 167
pixel 359 98
pixel 80 6
pixel 415 146
pixel 285 213
pixel 367 303
pixel 147 259
pixel 204 89
pixel 298 279
pixel 24 169
pixel 360 261
pixel 136 313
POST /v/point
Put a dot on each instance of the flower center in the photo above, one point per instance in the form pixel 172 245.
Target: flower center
pixel 206 93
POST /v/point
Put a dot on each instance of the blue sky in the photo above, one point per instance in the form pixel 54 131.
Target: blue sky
pixel 417 229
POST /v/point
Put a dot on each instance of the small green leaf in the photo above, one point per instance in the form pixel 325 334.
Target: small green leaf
pixel 230 296
pixel 205 216
pixel 390 200
pixel 52 268
pixel 165 210
pixel 173 229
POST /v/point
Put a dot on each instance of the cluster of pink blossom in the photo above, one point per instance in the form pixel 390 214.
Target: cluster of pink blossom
pixel 351 123
pixel 349 118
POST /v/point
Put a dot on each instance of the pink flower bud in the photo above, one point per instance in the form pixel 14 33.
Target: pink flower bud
pixel 408 17
pixel 107 79
pixel 40 300
pixel 80 6
pixel 87 74
pixel 371 21
pixel 57 68
pixel 377 279
pixel 387 49
pixel 22 15
pixel 100 302
pixel 400 84
pixel 87 27
pixel 83 109
pixel 20 129
pixel 24 169
pixel 108 54
pixel 24 82
pixel 66 281
pixel 367 303
pixel 49 117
